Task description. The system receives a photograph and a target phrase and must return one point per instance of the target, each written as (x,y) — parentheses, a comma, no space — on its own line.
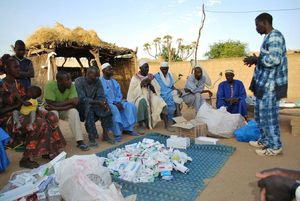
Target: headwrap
(105,65)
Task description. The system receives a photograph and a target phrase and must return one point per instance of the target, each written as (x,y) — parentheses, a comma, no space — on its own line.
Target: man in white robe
(144,92)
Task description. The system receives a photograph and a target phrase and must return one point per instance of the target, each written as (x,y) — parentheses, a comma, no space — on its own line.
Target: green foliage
(227,49)
(165,54)
(168,49)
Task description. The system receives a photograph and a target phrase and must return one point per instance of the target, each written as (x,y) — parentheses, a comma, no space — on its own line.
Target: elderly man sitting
(144,92)
(194,87)
(167,90)
(232,95)
(124,113)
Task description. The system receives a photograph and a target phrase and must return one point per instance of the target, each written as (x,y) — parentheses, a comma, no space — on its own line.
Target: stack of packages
(146,160)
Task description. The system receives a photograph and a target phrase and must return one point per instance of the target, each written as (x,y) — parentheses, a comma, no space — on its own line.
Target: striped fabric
(271,72)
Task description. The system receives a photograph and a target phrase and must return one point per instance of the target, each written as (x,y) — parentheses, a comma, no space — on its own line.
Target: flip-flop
(118,139)
(110,141)
(93,144)
(141,131)
(83,147)
(132,133)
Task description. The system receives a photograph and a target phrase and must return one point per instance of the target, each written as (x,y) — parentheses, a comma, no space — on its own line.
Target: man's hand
(145,82)
(151,87)
(250,60)
(276,188)
(209,93)
(119,106)
(187,90)
(293,174)
(26,103)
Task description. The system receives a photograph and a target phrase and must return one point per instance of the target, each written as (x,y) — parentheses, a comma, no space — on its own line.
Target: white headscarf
(105,65)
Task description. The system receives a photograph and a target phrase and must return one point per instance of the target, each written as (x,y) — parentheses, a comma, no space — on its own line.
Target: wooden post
(199,34)
(95,53)
(81,66)
(54,67)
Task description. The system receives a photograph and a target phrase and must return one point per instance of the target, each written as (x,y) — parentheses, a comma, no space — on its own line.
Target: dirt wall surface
(214,66)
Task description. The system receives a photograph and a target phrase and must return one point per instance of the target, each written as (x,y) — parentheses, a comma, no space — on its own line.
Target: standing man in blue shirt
(27,71)
(269,84)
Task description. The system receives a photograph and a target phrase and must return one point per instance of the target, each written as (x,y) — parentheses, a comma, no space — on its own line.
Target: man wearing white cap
(232,95)
(124,113)
(144,92)
(194,87)
(166,83)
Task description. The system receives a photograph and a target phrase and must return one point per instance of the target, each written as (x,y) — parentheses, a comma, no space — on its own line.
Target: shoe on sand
(256,144)
(268,152)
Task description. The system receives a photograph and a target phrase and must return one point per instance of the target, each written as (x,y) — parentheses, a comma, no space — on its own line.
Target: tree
(227,49)
(162,47)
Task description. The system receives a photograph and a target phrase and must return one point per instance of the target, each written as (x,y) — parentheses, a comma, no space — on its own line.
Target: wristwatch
(296,190)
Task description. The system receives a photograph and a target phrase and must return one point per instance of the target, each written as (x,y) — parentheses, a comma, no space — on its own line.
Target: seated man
(232,95)
(93,105)
(167,89)
(124,114)
(144,92)
(61,98)
(193,89)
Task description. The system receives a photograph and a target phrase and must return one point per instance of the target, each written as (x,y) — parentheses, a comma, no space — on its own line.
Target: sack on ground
(249,132)
(220,123)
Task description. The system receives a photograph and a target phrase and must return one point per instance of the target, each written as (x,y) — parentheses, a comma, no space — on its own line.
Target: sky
(132,23)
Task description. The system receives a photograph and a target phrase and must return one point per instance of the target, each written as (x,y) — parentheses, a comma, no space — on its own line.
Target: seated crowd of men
(150,99)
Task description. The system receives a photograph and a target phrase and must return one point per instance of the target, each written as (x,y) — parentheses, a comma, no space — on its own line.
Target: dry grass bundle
(61,34)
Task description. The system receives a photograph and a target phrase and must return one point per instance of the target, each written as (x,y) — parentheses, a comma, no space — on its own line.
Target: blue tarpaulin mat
(207,161)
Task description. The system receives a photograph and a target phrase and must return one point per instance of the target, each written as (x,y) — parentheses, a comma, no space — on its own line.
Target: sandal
(110,141)
(118,138)
(83,147)
(93,144)
(26,163)
(131,133)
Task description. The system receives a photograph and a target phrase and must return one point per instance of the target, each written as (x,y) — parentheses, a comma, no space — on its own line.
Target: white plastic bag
(86,179)
(220,123)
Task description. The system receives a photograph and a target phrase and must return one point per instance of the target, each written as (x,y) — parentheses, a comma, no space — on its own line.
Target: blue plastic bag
(249,132)
(4,139)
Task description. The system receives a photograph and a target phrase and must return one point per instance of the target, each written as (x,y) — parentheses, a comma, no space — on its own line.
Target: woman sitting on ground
(45,139)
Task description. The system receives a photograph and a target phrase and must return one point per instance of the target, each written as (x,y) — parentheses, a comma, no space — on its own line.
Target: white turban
(229,71)
(142,62)
(164,64)
(105,65)
(197,66)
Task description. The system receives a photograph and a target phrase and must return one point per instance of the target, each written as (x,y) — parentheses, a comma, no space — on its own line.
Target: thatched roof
(71,42)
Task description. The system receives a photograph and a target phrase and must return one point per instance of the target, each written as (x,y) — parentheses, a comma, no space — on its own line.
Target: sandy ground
(235,181)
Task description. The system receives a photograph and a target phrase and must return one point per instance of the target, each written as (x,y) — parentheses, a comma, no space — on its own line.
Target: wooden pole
(81,66)
(199,34)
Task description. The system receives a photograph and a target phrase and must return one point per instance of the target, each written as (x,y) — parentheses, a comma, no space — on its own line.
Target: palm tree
(147,48)
(157,44)
(168,42)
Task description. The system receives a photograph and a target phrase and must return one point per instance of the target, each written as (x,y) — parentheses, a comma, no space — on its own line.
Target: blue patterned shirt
(271,72)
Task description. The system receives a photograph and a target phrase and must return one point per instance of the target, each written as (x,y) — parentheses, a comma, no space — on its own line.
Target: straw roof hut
(76,45)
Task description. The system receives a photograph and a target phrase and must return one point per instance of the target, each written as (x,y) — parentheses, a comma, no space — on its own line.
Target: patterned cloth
(45,138)
(269,85)
(266,114)
(271,72)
